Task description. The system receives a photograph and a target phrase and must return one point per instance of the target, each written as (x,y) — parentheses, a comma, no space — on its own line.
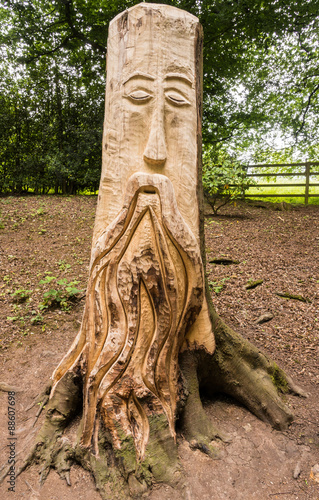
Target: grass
(255,191)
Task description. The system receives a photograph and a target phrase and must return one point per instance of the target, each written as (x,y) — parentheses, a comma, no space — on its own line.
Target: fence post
(244,174)
(307,173)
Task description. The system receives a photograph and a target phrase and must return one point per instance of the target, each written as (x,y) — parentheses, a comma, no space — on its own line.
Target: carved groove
(145,289)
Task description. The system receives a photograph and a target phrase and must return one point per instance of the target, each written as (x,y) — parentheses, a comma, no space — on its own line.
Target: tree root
(196,426)
(118,473)
(239,369)
(58,455)
(42,398)
(236,368)
(50,449)
(4,387)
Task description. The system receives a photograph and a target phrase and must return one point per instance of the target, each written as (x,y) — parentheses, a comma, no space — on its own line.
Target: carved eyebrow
(179,76)
(138,74)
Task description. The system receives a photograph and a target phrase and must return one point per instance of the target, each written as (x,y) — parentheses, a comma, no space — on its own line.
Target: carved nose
(155,152)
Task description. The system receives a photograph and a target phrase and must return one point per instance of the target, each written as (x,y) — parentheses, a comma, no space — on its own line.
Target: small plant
(61,296)
(13,318)
(63,265)
(21,295)
(224,179)
(47,279)
(217,286)
(40,211)
(37,318)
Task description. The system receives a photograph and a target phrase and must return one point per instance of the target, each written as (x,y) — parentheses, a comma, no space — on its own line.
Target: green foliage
(217,286)
(260,79)
(223,182)
(21,295)
(63,265)
(13,318)
(52,124)
(37,318)
(61,296)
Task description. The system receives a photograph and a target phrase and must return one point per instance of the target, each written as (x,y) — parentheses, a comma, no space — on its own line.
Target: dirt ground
(48,239)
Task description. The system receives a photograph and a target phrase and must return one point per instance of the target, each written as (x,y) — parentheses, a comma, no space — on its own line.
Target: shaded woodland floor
(47,239)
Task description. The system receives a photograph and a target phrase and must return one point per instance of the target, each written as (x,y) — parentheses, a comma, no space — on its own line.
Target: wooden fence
(307,173)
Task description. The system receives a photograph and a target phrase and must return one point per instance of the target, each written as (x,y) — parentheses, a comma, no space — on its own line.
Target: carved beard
(144,292)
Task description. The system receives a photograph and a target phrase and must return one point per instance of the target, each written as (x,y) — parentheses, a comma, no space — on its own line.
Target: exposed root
(49,448)
(118,473)
(294,388)
(196,426)
(4,471)
(240,370)
(57,454)
(60,457)
(4,387)
(33,491)
(236,368)
(203,444)
(42,398)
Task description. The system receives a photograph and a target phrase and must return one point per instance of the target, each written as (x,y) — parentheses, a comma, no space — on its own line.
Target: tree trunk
(146,345)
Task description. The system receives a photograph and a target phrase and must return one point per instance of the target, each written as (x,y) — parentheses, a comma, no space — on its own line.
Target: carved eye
(176,98)
(139,96)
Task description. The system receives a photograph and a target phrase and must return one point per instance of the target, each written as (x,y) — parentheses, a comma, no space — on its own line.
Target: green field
(255,192)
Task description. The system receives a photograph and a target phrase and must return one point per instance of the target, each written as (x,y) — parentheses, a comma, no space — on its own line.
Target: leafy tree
(260,75)
(224,180)
(260,70)
(53,114)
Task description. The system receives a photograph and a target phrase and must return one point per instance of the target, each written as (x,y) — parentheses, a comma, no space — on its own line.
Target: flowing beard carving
(145,290)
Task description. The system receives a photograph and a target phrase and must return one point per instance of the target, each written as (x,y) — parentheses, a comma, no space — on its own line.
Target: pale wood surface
(160,42)
(145,296)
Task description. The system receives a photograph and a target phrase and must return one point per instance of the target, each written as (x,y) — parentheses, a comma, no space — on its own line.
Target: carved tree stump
(148,333)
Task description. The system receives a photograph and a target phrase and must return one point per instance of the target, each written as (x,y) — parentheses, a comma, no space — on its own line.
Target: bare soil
(50,236)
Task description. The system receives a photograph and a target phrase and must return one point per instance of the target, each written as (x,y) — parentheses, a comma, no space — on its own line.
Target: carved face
(160,106)
(151,120)
(146,289)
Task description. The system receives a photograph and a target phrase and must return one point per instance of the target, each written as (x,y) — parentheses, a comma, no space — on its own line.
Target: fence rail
(307,173)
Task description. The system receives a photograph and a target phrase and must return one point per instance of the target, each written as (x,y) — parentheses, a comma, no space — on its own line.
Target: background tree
(224,178)
(261,81)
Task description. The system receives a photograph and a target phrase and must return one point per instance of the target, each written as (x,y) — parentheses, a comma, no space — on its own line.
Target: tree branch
(222,139)
(307,77)
(29,60)
(75,32)
(302,46)
(304,114)
(66,19)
